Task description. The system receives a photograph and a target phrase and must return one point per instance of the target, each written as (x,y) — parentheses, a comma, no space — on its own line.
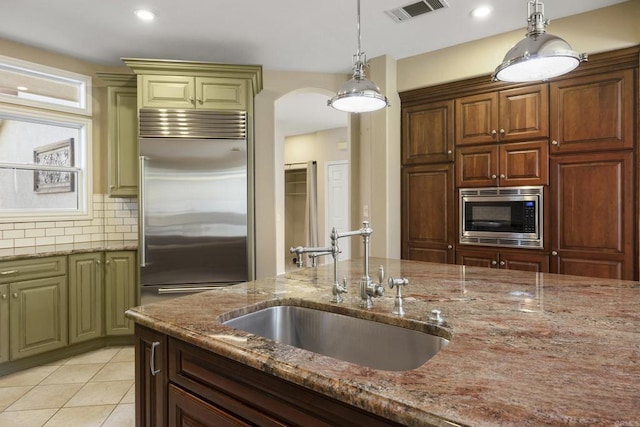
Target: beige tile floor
(92,389)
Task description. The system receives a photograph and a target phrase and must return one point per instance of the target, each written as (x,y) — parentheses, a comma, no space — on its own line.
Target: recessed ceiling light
(481,12)
(22,88)
(145,15)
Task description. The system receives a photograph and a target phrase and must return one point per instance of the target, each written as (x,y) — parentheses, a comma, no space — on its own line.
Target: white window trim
(44,71)
(85,175)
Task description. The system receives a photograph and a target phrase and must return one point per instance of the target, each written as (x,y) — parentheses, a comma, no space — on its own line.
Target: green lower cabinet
(86,289)
(38,316)
(120,291)
(4,323)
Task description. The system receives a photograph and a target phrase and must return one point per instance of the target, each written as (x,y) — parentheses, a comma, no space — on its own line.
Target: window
(45,154)
(35,85)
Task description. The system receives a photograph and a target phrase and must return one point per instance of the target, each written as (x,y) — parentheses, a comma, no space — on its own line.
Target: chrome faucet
(368,288)
(337,288)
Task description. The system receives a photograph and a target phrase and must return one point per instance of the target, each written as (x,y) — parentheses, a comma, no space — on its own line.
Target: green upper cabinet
(213,93)
(85,297)
(122,112)
(196,85)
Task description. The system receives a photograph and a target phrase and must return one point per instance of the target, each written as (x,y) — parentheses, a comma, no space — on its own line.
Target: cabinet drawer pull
(152,358)
(7,272)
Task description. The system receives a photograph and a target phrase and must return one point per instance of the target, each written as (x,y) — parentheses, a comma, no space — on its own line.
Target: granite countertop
(74,248)
(526,348)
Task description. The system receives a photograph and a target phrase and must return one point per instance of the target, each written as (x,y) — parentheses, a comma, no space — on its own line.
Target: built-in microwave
(502,216)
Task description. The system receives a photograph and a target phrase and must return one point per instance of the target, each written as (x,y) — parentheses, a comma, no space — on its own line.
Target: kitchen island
(525,348)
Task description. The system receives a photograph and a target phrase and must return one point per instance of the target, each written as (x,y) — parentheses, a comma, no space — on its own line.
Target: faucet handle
(381,274)
(397,304)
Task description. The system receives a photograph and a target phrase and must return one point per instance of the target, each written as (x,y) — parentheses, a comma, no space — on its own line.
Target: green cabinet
(86,291)
(122,134)
(120,291)
(38,316)
(4,323)
(187,92)
(123,142)
(34,320)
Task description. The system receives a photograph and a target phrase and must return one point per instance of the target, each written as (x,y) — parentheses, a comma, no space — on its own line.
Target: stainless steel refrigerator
(193,202)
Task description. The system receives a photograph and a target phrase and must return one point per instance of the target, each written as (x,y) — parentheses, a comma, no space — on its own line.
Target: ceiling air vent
(412,10)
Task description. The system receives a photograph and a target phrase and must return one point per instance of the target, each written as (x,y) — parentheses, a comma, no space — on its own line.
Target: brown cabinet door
(593,219)
(428,216)
(592,113)
(524,261)
(516,259)
(477,166)
(524,163)
(477,257)
(524,113)
(151,377)
(427,133)
(186,410)
(477,119)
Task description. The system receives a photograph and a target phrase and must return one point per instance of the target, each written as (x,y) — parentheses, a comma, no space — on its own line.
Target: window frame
(53,74)
(84,177)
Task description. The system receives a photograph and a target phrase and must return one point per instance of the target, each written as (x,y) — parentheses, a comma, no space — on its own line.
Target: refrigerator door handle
(141,192)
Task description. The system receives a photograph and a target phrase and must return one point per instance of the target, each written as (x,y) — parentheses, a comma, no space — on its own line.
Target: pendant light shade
(539,56)
(359,94)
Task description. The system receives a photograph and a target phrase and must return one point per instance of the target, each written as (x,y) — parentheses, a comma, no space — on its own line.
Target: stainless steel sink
(364,342)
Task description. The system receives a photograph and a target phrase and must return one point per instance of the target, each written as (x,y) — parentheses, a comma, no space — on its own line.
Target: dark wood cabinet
(575,135)
(517,114)
(151,377)
(427,133)
(428,213)
(197,387)
(512,164)
(593,113)
(522,259)
(593,224)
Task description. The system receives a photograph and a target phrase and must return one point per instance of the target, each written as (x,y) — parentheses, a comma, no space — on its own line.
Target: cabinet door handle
(554,142)
(494,176)
(554,253)
(200,101)
(501,131)
(4,296)
(7,272)
(450,247)
(503,263)
(493,132)
(450,152)
(502,176)
(152,358)
(494,262)
(15,295)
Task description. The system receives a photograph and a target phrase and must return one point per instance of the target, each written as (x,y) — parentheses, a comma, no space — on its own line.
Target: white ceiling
(293,35)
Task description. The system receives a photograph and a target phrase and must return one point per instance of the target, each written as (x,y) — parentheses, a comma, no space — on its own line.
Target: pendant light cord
(359,59)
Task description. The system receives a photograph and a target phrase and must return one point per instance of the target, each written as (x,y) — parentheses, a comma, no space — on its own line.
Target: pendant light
(539,56)
(358,95)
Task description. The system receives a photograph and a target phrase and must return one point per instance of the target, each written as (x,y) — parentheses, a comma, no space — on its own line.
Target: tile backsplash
(114,220)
